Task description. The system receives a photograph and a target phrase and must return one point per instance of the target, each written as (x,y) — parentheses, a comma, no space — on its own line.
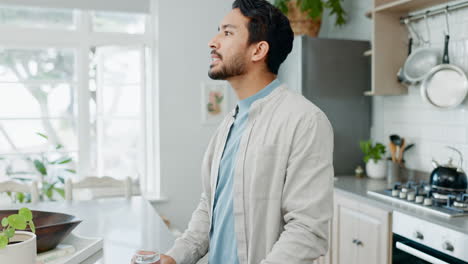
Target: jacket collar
(257,105)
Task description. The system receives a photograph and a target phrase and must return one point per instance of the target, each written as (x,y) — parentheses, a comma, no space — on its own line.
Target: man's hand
(167,260)
(164,259)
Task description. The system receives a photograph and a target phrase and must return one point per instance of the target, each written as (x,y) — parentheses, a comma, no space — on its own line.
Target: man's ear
(260,51)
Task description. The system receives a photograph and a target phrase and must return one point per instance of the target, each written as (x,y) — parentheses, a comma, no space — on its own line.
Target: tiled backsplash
(409,116)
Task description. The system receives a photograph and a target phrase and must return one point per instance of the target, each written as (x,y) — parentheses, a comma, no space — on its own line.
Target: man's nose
(213,43)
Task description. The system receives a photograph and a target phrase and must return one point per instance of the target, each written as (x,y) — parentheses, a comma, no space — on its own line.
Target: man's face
(229,47)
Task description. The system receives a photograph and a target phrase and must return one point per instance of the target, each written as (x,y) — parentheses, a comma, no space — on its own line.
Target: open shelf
(389,42)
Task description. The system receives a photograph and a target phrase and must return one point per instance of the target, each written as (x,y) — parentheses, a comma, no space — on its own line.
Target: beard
(234,67)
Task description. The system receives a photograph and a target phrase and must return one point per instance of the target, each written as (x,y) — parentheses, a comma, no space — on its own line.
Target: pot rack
(432,12)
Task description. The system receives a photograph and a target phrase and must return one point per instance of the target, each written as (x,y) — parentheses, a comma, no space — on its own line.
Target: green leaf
(10,232)
(26,213)
(4,221)
(49,193)
(68,160)
(61,179)
(219,99)
(3,241)
(32,226)
(59,146)
(371,151)
(40,167)
(60,191)
(70,170)
(42,135)
(210,108)
(17,221)
(282,5)
(20,197)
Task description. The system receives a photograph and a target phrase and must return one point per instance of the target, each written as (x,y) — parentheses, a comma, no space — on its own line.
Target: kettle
(449,177)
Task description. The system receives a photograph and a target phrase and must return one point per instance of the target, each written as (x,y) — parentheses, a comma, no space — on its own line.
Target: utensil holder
(394,172)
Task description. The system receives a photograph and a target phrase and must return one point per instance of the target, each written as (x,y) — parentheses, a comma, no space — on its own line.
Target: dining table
(126,225)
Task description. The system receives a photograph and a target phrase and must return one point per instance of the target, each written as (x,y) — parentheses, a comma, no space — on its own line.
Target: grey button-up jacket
(283,185)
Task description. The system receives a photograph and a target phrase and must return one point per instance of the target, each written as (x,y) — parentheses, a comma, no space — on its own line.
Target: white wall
(357,27)
(429,128)
(185,27)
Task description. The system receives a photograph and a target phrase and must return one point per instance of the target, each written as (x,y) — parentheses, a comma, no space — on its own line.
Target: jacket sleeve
(307,202)
(194,242)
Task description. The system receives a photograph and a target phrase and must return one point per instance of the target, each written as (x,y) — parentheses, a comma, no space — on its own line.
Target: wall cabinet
(389,42)
(361,232)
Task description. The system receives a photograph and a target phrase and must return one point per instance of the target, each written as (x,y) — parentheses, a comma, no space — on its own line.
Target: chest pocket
(269,171)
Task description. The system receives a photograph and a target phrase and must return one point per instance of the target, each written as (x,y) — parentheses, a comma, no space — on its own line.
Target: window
(116,114)
(118,22)
(82,96)
(37,17)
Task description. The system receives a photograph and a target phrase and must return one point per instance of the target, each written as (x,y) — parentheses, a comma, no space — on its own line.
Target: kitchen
(407,115)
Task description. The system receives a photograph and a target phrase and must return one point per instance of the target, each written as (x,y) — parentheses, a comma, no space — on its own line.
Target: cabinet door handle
(357,242)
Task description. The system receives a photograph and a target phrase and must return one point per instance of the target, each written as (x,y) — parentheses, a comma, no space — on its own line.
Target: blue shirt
(223,244)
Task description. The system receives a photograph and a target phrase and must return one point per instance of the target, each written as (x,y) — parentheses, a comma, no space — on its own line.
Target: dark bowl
(51,228)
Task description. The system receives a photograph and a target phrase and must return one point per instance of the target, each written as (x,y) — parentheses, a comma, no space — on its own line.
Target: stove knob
(418,235)
(448,246)
(419,199)
(402,195)
(427,201)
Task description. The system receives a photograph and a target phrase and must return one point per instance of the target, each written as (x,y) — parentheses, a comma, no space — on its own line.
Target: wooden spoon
(402,148)
(392,151)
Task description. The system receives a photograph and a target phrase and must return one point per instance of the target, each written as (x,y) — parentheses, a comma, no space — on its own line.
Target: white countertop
(359,187)
(125,225)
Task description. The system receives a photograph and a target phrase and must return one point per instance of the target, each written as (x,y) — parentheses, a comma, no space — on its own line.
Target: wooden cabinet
(389,42)
(361,232)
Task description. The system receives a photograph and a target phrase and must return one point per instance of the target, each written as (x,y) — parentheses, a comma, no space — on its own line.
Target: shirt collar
(244,105)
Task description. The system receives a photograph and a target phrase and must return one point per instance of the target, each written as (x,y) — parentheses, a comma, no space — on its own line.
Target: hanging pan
(421,61)
(401,77)
(446,85)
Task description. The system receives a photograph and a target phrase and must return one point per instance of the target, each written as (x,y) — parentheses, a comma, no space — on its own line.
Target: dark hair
(267,23)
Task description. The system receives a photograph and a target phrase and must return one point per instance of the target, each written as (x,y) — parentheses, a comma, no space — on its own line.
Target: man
(267,172)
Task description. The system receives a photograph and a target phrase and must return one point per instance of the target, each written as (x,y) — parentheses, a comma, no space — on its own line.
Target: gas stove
(420,195)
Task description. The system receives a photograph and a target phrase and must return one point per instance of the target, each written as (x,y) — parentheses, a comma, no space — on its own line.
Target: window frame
(82,39)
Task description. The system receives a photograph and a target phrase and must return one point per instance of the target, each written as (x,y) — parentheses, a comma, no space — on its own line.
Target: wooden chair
(98,183)
(13,186)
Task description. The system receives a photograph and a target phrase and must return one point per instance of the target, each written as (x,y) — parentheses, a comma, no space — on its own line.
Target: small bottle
(359,172)
(146,257)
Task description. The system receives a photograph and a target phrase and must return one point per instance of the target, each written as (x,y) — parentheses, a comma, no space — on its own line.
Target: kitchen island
(125,225)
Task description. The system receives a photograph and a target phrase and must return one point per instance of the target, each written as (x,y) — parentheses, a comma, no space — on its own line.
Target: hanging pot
(401,77)
(422,60)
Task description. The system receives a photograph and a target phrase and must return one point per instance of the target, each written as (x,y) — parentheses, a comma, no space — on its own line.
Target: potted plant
(373,157)
(305,16)
(51,168)
(18,247)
